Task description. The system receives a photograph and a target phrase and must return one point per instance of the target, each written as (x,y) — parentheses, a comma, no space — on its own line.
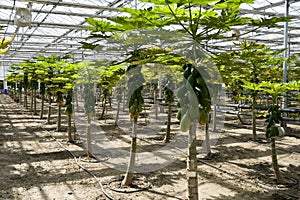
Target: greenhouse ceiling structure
(57,26)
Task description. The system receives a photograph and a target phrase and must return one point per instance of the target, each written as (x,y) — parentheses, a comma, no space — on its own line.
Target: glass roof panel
(57,25)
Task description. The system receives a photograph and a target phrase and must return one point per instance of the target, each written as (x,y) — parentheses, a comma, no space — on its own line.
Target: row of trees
(142,38)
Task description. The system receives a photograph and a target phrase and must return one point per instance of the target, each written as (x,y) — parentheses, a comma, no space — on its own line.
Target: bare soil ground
(33,165)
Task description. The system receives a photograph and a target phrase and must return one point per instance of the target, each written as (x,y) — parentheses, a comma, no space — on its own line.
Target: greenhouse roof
(57,26)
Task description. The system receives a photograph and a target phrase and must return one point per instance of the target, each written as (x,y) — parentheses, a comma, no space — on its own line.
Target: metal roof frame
(58,26)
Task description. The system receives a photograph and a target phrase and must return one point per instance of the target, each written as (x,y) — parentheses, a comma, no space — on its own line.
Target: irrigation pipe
(82,167)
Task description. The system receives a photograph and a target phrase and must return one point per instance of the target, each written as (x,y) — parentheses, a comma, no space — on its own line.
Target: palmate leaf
(87,45)
(102,26)
(222,4)
(269,22)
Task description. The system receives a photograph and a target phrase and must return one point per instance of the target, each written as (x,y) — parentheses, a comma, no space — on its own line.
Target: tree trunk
(124,101)
(59,117)
(34,102)
(155,103)
(118,112)
(254,120)
(42,106)
(207,139)
(192,179)
(131,165)
(70,139)
(214,117)
(88,138)
(76,100)
(168,132)
(104,108)
(31,101)
(278,175)
(20,96)
(25,99)
(49,108)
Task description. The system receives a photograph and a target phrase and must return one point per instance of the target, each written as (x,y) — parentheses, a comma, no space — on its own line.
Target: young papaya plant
(275,116)
(169,99)
(135,105)
(254,63)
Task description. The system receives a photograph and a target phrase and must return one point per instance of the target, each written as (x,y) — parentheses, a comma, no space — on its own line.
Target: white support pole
(286,52)
(160,87)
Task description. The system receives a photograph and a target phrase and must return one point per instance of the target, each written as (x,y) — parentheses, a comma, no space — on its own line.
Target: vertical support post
(160,85)
(5,90)
(285,54)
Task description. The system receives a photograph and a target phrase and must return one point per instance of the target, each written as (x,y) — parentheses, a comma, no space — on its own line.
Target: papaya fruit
(178,115)
(193,100)
(183,101)
(273,131)
(132,109)
(185,123)
(140,100)
(183,110)
(202,116)
(191,81)
(187,73)
(195,73)
(131,101)
(181,91)
(200,81)
(194,113)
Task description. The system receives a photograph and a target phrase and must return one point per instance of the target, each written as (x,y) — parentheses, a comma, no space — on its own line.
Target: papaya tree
(254,63)
(274,115)
(86,79)
(135,105)
(191,19)
(108,78)
(169,99)
(55,81)
(70,73)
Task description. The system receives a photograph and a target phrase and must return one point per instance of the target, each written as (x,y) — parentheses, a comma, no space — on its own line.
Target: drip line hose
(82,167)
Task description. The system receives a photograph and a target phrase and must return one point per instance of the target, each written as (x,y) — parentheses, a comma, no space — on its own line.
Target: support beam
(74,5)
(285,53)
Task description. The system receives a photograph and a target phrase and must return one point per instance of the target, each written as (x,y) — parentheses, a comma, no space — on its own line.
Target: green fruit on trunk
(195,73)
(185,123)
(181,91)
(183,101)
(202,116)
(193,100)
(200,81)
(191,81)
(183,110)
(140,100)
(178,115)
(132,109)
(187,73)
(194,113)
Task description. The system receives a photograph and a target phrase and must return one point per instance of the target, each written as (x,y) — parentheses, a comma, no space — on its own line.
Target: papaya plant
(194,21)
(135,105)
(169,99)
(86,80)
(275,115)
(254,63)
(108,78)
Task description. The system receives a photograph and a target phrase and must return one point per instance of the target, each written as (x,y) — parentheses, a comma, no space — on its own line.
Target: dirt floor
(36,162)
